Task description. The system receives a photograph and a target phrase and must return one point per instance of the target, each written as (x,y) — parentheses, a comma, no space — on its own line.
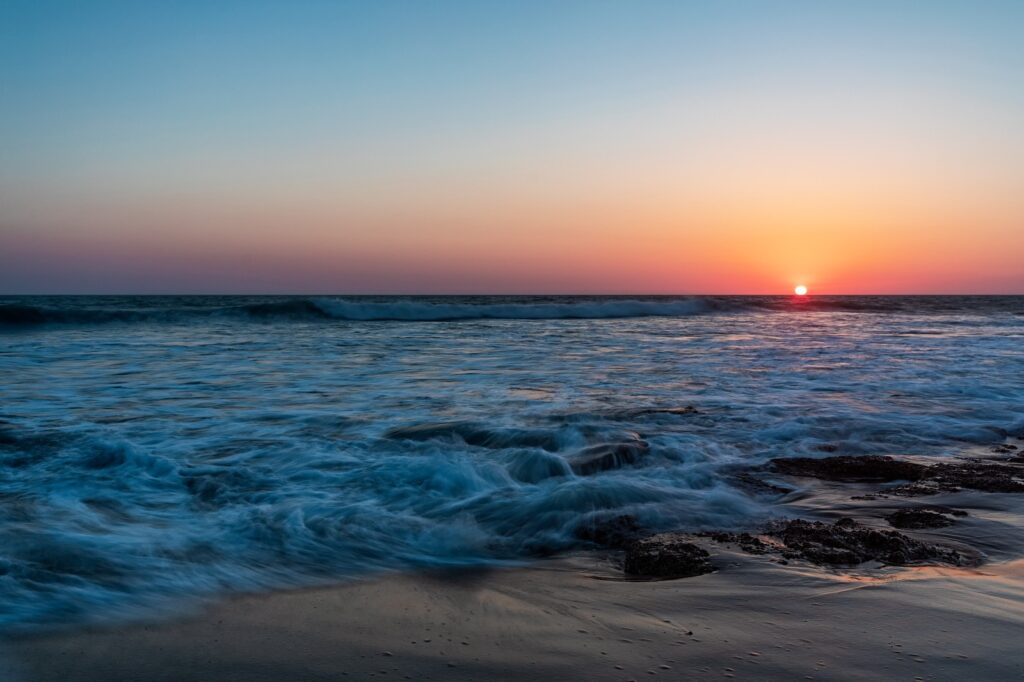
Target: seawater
(158,450)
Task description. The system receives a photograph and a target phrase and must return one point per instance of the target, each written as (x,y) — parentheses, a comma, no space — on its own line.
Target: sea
(156,452)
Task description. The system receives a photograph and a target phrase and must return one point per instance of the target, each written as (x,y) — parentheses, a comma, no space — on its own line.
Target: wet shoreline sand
(757,616)
(575,618)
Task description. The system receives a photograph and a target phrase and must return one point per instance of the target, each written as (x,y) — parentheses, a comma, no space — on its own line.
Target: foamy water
(155,450)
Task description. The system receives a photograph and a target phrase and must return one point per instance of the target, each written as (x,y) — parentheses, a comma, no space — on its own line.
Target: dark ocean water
(154,449)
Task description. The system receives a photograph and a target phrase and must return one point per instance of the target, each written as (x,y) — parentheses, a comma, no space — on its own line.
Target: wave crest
(21,315)
(443,312)
(16,312)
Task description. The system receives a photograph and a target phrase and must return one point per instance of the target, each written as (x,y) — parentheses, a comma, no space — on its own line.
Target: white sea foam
(147,463)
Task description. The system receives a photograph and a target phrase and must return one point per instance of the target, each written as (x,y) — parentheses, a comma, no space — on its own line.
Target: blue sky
(196,132)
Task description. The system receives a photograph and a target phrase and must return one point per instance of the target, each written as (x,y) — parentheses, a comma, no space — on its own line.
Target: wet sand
(756,617)
(573,618)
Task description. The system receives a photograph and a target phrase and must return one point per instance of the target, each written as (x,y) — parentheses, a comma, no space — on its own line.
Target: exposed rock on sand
(922,517)
(666,555)
(843,543)
(745,541)
(850,468)
(848,543)
(984,475)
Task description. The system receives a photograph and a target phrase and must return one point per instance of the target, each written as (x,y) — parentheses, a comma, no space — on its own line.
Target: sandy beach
(756,616)
(575,618)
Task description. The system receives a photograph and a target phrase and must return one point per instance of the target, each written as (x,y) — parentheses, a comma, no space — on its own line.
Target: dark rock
(607,456)
(617,532)
(666,555)
(747,542)
(987,477)
(984,475)
(918,518)
(849,543)
(850,468)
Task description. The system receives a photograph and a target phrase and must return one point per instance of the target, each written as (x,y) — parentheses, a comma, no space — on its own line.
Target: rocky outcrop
(848,543)
(875,468)
(923,517)
(750,544)
(949,476)
(666,555)
(986,476)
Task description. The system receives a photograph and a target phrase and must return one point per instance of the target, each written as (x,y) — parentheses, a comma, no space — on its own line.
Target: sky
(511,147)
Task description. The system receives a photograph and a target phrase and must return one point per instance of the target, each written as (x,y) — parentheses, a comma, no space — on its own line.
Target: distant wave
(295,307)
(340,309)
(172,309)
(417,311)
(19,315)
(27,315)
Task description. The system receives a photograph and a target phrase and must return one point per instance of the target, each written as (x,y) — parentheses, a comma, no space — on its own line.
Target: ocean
(157,451)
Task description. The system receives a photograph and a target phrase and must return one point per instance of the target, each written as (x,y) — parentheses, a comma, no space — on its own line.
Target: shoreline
(756,616)
(574,617)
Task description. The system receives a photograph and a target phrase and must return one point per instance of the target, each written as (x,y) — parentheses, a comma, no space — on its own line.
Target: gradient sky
(513,147)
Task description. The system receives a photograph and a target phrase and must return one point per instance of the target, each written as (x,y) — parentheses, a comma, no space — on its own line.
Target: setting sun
(800,290)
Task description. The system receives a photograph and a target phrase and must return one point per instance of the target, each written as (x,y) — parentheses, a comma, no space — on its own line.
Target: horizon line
(497,294)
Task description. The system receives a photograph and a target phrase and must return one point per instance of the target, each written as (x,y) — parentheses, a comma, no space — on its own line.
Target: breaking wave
(359,311)
(36,311)
(101,528)
(156,450)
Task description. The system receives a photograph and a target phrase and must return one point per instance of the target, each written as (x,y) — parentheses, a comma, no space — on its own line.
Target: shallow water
(159,448)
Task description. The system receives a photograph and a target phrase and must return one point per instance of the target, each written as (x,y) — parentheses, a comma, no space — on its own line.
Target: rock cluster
(923,517)
(842,543)
(666,555)
(972,474)
(848,543)
(878,468)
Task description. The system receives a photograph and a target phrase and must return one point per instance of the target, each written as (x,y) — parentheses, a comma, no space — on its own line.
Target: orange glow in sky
(724,148)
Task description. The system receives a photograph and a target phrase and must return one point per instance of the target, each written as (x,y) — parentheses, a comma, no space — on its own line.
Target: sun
(800,290)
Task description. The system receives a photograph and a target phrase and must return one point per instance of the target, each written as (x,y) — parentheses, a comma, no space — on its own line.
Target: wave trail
(22,315)
(441,312)
(16,312)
